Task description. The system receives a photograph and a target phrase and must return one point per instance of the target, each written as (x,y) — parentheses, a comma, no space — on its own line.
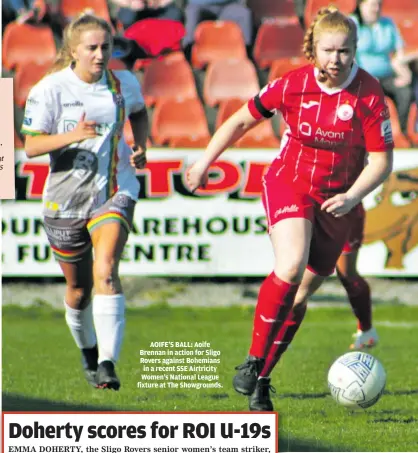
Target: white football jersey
(84,175)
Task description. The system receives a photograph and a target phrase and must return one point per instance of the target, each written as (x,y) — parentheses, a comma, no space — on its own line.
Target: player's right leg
(290,238)
(289,216)
(71,247)
(260,400)
(109,229)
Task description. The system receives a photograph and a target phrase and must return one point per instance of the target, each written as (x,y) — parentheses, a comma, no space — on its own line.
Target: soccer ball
(356,380)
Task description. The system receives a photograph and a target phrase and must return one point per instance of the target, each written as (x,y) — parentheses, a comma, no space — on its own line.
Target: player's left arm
(138,118)
(377,132)
(140,123)
(374,173)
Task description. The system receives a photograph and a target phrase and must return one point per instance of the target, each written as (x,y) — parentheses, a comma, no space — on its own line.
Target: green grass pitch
(41,372)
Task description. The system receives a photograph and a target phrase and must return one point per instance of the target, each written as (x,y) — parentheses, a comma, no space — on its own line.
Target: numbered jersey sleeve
(40,110)
(134,100)
(375,118)
(266,103)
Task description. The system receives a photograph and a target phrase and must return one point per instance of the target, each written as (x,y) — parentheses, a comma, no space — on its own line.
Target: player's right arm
(43,143)
(39,124)
(259,108)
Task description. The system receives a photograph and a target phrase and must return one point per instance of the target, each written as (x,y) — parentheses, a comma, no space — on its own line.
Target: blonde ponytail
(85,21)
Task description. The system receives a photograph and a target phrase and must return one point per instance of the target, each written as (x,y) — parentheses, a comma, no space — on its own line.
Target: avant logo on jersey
(328,138)
(305,128)
(322,137)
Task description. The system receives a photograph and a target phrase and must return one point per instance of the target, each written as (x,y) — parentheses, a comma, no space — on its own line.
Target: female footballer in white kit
(76,114)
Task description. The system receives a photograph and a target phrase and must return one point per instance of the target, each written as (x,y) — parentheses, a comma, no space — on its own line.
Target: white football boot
(365,340)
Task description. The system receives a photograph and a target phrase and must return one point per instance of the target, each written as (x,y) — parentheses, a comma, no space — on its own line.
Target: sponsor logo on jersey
(305,128)
(386,131)
(345,112)
(73,104)
(329,134)
(32,101)
(69,125)
(101,128)
(328,138)
(285,209)
(308,105)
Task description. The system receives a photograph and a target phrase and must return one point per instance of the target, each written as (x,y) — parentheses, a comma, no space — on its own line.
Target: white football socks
(109,321)
(81,325)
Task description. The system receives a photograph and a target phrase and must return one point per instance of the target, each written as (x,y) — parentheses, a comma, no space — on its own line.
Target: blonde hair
(327,19)
(72,34)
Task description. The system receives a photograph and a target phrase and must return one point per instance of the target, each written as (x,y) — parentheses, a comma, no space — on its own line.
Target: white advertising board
(217,232)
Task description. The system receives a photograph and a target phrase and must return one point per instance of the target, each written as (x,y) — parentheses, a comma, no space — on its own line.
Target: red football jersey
(330,129)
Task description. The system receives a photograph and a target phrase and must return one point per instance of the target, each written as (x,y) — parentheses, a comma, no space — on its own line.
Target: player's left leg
(260,400)
(109,231)
(357,288)
(358,292)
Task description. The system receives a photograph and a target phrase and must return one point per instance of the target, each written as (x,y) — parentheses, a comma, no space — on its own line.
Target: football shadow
(303,396)
(400,420)
(313,396)
(401,392)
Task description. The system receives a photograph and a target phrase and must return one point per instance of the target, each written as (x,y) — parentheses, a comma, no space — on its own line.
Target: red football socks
(284,338)
(275,301)
(358,291)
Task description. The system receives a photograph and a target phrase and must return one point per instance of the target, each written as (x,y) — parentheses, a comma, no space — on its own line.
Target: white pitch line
(390,324)
(406,325)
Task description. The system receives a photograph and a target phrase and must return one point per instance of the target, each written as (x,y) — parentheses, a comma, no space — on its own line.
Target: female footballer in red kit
(337,116)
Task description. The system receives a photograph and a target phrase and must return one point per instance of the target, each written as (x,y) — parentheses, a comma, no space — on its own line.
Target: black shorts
(70,239)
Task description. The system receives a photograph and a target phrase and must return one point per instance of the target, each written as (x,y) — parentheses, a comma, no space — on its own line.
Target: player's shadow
(399,420)
(249,293)
(15,403)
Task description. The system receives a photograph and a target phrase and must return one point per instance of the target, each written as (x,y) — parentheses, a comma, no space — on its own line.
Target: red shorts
(283,200)
(355,238)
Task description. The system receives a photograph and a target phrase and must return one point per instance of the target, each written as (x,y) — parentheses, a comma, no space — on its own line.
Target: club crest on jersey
(345,112)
